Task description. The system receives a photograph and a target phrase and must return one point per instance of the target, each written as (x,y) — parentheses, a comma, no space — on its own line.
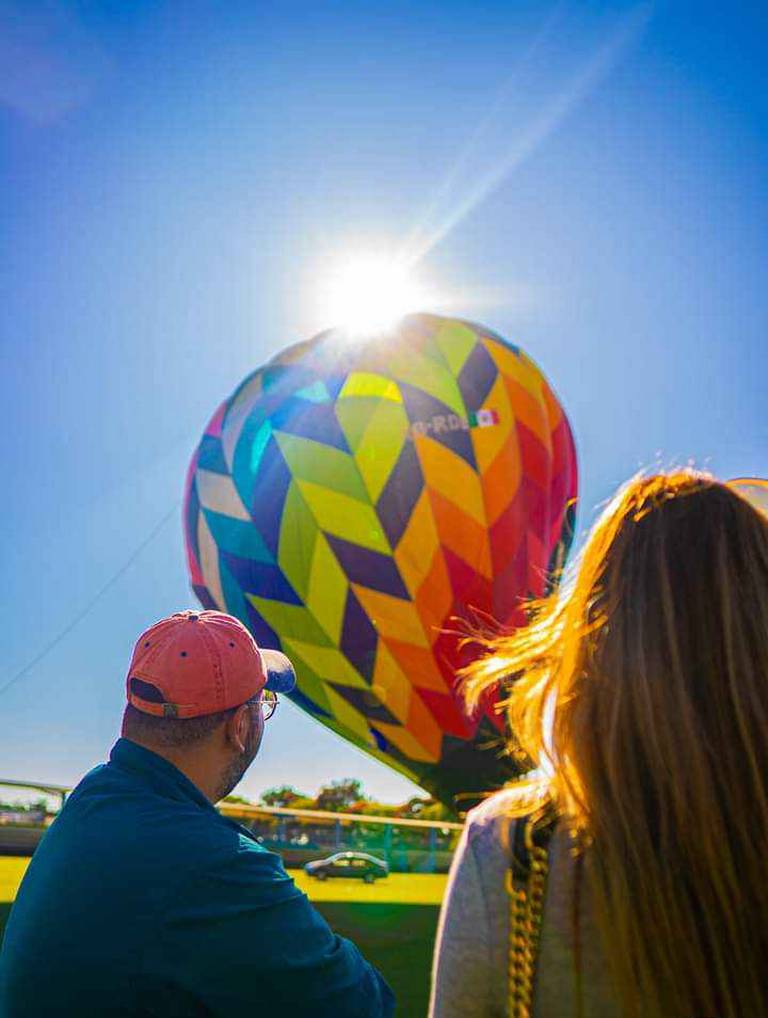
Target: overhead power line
(62,634)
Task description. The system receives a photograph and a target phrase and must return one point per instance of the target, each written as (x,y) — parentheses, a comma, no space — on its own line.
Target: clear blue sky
(174,176)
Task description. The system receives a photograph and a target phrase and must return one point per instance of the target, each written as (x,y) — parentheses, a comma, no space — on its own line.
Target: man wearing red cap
(142,899)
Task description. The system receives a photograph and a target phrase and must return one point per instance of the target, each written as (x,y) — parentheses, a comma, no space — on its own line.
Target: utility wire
(93,601)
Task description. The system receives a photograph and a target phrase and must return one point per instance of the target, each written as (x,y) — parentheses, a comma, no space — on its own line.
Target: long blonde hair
(642,689)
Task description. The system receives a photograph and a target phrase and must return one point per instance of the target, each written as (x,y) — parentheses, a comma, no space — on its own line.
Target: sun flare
(369,293)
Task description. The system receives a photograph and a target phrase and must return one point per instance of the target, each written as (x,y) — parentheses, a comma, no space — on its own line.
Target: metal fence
(298,835)
(417,846)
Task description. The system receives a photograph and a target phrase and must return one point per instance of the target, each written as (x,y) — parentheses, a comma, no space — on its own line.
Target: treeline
(24,806)
(347,796)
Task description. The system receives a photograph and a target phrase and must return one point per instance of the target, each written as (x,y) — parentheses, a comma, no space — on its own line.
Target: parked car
(348,864)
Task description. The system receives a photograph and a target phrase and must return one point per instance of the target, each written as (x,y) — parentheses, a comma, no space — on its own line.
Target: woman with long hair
(628,875)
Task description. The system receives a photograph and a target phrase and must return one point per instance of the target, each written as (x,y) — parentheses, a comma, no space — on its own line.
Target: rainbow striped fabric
(353,498)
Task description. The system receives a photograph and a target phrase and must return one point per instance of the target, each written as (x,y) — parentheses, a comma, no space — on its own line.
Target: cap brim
(281,677)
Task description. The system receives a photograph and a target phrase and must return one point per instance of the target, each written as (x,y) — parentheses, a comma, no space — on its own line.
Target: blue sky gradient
(587,179)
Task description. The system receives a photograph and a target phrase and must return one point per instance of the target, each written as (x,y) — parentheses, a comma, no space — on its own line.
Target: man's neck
(194,765)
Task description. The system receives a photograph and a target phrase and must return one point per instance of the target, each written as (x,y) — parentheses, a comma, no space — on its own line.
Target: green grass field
(393,922)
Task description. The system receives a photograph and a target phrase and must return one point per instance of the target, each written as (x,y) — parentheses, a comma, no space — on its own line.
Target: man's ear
(237,726)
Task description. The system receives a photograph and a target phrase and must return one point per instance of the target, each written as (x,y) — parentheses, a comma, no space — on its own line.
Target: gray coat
(470,977)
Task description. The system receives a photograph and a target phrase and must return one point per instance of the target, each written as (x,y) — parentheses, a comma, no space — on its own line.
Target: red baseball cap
(195,663)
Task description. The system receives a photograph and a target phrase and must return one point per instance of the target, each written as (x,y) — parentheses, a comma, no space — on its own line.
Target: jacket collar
(160,773)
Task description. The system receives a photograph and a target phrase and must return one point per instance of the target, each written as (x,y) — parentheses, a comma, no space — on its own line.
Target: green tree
(341,796)
(413,809)
(286,796)
(377,809)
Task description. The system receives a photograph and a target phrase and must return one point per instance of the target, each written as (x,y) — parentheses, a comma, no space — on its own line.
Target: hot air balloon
(353,498)
(754,489)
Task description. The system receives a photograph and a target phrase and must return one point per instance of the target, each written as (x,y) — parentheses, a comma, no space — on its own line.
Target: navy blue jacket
(143,900)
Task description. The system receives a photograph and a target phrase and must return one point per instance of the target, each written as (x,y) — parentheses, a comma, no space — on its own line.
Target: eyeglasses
(266,701)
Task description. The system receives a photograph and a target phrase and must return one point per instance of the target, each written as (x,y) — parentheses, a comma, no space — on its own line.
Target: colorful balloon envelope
(355,502)
(754,489)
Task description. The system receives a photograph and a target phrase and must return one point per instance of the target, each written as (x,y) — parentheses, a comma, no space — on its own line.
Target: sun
(367,294)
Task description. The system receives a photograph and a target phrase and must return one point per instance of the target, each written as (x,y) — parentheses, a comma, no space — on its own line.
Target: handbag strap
(526,887)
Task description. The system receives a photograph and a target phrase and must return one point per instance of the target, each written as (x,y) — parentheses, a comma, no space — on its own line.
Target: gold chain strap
(526,896)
